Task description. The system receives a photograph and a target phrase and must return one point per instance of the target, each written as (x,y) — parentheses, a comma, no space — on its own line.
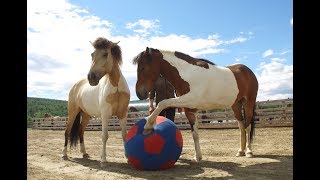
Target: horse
(47,115)
(104,93)
(200,85)
(133,109)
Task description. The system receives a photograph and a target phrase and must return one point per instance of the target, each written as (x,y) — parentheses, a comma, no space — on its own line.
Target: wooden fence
(268,114)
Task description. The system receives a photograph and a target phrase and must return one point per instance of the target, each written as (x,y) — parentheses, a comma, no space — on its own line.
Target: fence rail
(268,114)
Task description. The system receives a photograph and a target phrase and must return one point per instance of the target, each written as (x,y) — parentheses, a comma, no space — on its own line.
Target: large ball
(155,151)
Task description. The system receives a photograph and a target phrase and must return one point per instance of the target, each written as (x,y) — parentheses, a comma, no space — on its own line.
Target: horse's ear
(116,50)
(115,44)
(148,51)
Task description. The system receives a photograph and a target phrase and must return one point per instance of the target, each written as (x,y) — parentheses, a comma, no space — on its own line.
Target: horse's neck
(169,74)
(169,68)
(114,75)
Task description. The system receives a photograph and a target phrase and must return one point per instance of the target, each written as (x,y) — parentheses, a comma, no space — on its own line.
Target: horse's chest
(90,104)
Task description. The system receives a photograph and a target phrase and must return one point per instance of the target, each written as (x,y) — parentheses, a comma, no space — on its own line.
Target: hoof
(65,157)
(148,127)
(146,131)
(240,153)
(86,156)
(249,155)
(197,159)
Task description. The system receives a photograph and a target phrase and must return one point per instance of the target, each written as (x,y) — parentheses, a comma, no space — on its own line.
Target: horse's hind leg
(72,114)
(84,124)
(249,106)
(195,135)
(238,115)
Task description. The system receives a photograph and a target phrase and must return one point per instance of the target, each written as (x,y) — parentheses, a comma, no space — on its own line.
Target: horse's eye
(141,68)
(105,55)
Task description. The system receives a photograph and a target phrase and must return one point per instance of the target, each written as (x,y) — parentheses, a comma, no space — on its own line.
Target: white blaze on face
(215,87)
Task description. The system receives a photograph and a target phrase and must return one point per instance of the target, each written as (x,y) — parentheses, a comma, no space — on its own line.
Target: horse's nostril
(91,76)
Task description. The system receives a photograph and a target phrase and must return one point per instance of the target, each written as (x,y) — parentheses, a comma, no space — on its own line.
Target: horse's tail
(74,134)
(253,119)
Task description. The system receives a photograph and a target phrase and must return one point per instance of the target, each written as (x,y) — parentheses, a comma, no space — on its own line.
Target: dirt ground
(272,148)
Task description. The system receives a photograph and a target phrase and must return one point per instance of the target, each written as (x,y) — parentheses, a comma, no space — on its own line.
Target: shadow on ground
(186,169)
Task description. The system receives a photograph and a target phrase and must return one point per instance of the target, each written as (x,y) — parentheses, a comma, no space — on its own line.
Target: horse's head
(105,56)
(148,71)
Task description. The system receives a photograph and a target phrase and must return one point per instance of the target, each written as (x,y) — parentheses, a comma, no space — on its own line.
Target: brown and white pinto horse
(200,85)
(104,93)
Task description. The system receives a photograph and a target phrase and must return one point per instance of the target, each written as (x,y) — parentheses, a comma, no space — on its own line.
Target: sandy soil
(272,148)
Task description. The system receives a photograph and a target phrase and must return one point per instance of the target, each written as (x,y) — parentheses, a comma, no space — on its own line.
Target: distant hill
(37,107)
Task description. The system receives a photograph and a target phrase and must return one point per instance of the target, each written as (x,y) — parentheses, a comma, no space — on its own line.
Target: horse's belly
(214,105)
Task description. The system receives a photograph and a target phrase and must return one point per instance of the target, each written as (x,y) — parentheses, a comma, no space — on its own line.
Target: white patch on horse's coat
(215,87)
(91,95)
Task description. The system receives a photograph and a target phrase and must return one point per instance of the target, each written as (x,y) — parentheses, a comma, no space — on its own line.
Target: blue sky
(256,33)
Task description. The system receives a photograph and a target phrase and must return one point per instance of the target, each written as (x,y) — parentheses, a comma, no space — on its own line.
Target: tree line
(38,107)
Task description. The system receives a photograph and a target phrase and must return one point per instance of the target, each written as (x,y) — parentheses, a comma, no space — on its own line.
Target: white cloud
(58,48)
(238,59)
(291,22)
(284,52)
(275,80)
(238,39)
(278,59)
(267,53)
(143,26)
(193,47)
(214,36)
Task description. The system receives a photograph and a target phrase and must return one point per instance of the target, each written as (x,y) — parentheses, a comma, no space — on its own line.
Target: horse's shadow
(187,169)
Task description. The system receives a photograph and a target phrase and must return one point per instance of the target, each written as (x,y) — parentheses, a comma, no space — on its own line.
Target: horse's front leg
(171,102)
(123,125)
(152,118)
(105,136)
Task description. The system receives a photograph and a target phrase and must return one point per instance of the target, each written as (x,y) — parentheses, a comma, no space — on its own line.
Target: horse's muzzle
(92,78)
(142,93)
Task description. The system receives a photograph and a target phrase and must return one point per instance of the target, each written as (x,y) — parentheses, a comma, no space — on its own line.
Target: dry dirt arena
(272,148)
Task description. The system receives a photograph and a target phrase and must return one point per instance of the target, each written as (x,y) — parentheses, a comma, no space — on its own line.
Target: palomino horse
(104,93)
(200,85)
